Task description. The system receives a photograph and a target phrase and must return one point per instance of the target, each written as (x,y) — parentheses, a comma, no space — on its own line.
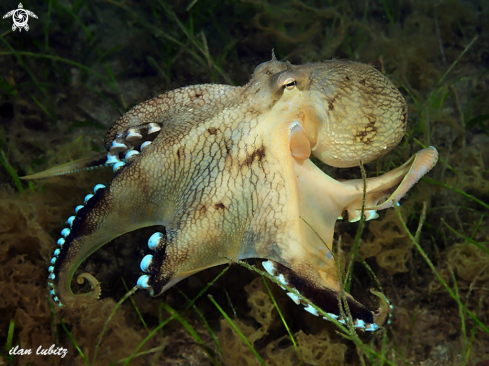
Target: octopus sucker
(226,172)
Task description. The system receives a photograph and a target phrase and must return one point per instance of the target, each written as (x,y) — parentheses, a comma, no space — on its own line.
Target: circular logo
(20,18)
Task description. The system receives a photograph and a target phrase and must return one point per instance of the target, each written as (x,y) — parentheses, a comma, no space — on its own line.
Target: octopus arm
(108,213)
(308,264)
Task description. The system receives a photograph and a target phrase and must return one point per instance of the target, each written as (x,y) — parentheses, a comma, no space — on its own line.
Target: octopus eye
(289,84)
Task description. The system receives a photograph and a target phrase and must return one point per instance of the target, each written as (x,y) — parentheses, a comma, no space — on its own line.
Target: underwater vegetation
(82,64)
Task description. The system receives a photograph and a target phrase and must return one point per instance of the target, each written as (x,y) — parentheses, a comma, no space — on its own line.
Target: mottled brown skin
(228,175)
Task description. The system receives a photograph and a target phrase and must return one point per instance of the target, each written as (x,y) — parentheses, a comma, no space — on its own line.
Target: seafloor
(84,63)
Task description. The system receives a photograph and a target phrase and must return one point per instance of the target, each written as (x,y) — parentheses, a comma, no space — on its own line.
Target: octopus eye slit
(290,84)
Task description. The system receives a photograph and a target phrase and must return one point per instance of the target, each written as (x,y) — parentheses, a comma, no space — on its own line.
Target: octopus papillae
(226,171)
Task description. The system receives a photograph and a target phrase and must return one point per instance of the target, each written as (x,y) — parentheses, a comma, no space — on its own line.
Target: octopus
(226,171)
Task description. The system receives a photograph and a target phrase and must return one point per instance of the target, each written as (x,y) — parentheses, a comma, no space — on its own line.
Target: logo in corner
(20,18)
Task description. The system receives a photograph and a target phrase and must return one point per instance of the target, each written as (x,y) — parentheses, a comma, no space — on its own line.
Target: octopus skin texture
(227,172)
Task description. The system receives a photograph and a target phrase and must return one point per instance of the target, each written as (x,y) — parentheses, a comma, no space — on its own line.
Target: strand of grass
(109,100)
(204,290)
(56,58)
(438,37)
(5,33)
(236,329)
(158,32)
(411,95)
(9,345)
(422,219)
(472,286)
(345,312)
(437,274)
(373,277)
(191,5)
(358,235)
(473,331)
(383,350)
(372,274)
(458,59)
(53,320)
(160,319)
(200,47)
(205,49)
(317,234)
(174,314)
(19,59)
(135,306)
(30,184)
(149,351)
(343,303)
(225,51)
(204,320)
(368,350)
(231,304)
(158,353)
(10,169)
(113,82)
(162,324)
(460,110)
(401,356)
(72,339)
(46,26)
(148,337)
(291,336)
(112,313)
(157,67)
(442,160)
(450,208)
(408,135)
(469,240)
(476,228)
(411,327)
(469,196)
(460,310)
(24,66)
(387,12)
(44,109)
